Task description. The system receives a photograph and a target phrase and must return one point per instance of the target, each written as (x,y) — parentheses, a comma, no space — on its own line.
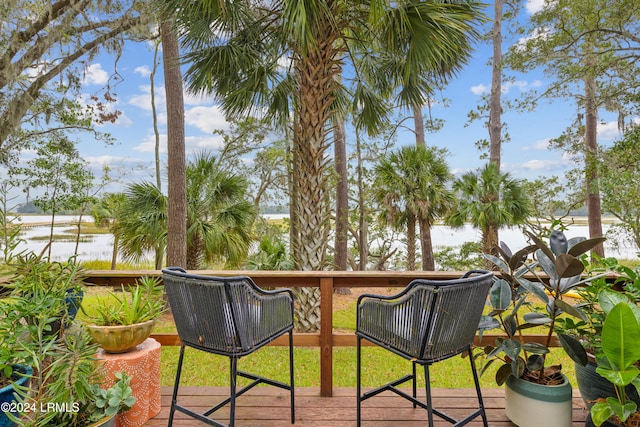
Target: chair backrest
(223,315)
(432,319)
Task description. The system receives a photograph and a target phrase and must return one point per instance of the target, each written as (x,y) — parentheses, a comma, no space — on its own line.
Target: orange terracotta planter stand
(143,366)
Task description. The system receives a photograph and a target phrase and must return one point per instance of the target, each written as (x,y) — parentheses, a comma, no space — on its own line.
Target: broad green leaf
(621,337)
(609,299)
(535,288)
(558,242)
(541,245)
(534,347)
(517,367)
(497,262)
(546,263)
(536,318)
(502,374)
(500,295)
(568,266)
(520,257)
(488,322)
(585,246)
(618,377)
(574,349)
(600,412)
(512,348)
(535,362)
(570,310)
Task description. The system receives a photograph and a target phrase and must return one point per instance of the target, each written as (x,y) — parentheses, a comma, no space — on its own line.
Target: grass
(379,366)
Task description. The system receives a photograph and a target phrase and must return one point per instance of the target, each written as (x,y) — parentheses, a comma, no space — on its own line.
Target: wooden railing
(326,339)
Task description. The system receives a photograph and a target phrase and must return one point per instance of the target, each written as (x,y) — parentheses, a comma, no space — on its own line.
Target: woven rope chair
(229,316)
(427,322)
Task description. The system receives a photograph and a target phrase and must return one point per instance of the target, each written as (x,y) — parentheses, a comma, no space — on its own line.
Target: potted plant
(63,386)
(67,388)
(535,393)
(620,351)
(122,322)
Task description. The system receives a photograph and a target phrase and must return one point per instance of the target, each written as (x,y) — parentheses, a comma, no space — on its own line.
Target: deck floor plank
(269,407)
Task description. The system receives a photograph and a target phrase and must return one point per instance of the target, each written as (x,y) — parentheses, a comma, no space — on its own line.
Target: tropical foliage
(489,199)
(219,218)
(411,185)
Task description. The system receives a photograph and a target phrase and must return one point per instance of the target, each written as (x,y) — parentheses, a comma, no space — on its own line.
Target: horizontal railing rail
(326,339)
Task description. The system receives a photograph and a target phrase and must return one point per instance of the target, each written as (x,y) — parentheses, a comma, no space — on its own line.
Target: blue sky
(525,156)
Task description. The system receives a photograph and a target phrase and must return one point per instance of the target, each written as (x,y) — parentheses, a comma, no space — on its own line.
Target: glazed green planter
(534,405)
(593,386)
(120,339)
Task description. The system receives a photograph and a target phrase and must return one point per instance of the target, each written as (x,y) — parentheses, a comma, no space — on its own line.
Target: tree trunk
(495,106)
(342,200)
(411,243)
(428,261)
(594,211)
(418,124)
(177,183)
(154,114)
(316,73)
(363,226)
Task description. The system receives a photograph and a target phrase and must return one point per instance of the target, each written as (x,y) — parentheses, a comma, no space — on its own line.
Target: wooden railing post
(326,336)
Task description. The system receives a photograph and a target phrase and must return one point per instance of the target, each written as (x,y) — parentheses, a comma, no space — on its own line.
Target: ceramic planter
(593,386)
(120,339)
(534,405)
(7,393)
(105,422)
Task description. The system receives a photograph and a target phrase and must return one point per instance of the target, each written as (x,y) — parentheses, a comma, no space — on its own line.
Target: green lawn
(379,366)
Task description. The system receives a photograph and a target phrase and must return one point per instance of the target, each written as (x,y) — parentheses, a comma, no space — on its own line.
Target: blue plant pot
(7,394)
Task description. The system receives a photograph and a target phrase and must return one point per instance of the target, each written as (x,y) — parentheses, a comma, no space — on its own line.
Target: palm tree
(490,200)
(220,217)
(283,57)
(411,184)
(141,223)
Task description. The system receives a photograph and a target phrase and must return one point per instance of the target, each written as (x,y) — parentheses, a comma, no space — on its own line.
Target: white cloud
(608,131)
(522,85)
(479,89)
(534,6)
(142,100)
(207,119)
(143,71)
(193,144)
(537,33)
(94,74)
(541,144)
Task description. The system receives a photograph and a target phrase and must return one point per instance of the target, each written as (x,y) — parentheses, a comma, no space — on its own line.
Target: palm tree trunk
(316,72)
(411,243)
(428,261)
(177,183)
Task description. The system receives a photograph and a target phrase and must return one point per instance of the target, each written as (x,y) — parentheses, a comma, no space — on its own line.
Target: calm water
(100,246)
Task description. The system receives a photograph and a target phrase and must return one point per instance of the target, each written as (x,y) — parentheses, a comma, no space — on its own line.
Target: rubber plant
(554,271)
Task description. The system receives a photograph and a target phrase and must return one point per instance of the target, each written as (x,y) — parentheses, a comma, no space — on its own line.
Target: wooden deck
(269,407)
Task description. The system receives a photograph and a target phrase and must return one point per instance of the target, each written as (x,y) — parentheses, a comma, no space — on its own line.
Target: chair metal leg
(415,389)
(358,385)
(291,381)
(174,396)
(234,376)
(476,381)
(427,380)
